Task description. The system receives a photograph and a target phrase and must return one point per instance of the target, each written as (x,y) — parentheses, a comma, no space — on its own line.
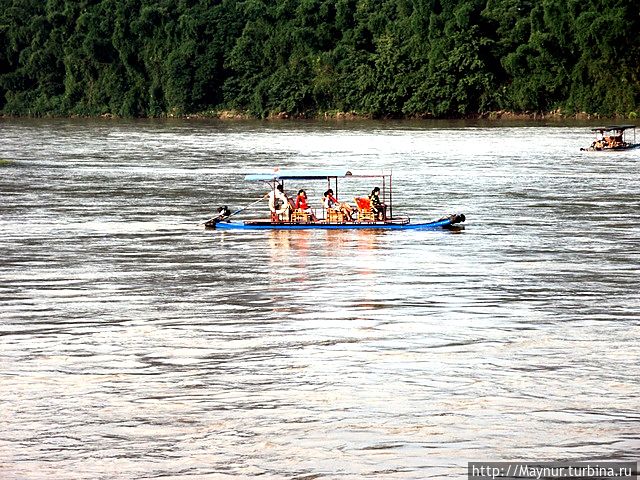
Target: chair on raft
(365,214)
(300,216)
(335,216)
(331,215)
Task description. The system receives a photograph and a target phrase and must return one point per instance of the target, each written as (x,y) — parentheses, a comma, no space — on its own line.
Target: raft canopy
(309,175)
(609,128)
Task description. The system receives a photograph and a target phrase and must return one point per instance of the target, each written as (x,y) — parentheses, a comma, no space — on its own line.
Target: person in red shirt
(301,203)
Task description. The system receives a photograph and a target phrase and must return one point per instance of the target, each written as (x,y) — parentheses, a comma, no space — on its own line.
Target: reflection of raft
(613,137)
(363,220)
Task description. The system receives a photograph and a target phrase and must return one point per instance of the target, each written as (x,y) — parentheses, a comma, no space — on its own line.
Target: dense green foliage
(304,57)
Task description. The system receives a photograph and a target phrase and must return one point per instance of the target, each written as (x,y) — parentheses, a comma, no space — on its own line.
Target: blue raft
(449,222)
(363,222)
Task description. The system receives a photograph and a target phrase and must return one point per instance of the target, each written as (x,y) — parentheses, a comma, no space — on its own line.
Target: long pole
(250,205)
(241,209)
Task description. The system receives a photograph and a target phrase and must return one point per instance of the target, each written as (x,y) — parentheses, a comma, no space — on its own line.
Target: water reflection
(293,243)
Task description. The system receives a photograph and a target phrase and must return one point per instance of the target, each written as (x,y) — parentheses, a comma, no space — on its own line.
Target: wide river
(136,344)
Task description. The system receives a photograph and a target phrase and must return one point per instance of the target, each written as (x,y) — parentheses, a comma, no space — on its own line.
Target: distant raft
(613,137)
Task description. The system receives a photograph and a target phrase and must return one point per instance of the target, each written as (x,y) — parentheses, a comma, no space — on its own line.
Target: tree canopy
(380,58)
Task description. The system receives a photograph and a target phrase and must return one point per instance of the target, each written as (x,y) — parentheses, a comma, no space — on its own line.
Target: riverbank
(231,115)
(493,115)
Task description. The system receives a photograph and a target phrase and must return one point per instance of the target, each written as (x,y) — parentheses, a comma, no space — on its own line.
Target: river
(136,344)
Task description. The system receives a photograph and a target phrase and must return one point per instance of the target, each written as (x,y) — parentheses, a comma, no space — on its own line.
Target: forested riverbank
(261,58)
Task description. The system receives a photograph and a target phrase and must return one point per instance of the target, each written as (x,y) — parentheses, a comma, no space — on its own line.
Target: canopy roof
(309,175)
(612,127)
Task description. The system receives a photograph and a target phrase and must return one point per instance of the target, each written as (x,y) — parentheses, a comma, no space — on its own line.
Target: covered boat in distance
(613,137)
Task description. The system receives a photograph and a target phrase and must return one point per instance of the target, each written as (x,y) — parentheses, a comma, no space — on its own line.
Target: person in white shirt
(279,203)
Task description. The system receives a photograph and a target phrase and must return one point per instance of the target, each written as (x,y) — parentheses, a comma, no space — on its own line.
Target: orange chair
(365,214)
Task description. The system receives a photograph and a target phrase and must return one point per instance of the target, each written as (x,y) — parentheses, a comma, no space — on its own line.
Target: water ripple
(136,344)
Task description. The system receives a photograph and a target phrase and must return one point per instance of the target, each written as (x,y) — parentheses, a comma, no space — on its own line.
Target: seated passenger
(301,203)
(378,208)
(332,203)
(616,141)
